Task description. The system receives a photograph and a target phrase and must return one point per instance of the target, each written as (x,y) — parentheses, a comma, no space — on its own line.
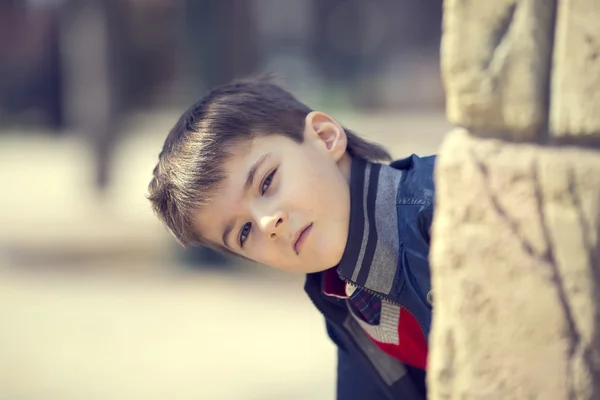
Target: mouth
(301,237)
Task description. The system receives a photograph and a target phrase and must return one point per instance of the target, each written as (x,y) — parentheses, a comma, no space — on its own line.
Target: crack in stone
(593,250)
(547,257)
(498,39)
(585,226)
(483,169)
(573,335)
(593,253)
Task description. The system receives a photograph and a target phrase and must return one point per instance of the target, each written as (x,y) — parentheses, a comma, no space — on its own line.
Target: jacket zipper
(383,298)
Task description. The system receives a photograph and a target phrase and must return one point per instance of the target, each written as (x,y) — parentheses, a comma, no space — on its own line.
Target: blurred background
(96,299)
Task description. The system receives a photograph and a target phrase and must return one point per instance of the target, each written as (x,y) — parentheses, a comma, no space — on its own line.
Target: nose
(272,224)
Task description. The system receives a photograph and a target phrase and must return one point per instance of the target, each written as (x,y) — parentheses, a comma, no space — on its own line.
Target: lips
(301,237)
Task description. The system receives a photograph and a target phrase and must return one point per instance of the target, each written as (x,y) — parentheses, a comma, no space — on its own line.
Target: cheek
(298,196)
(272,258)
(305,185)
(262,249)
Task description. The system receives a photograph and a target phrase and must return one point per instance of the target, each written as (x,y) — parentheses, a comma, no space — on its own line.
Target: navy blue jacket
(386,259)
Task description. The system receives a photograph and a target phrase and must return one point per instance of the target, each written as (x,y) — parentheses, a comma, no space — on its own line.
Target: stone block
(496,58)
(515,271)
(575,105)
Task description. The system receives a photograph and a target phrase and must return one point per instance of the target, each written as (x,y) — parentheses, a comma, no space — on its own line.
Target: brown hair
(190,163)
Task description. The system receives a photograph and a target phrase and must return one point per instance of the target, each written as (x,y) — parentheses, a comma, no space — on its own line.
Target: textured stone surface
(515,261)
(575,111)
(495,65)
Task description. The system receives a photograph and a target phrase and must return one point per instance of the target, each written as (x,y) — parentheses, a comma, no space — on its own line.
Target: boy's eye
(244,233)
(267,182)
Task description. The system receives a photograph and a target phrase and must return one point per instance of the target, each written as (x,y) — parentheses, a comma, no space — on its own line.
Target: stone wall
(516,236)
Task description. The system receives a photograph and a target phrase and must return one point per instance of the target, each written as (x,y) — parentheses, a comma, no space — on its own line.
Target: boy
(251,171)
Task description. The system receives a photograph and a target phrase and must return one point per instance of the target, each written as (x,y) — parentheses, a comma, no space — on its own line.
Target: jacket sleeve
(425,215)
(425,219)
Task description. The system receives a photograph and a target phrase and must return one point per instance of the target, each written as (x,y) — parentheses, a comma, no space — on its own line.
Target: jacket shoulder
(418,176)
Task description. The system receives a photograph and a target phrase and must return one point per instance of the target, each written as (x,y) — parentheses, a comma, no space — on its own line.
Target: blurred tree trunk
(95,44)
(219,42)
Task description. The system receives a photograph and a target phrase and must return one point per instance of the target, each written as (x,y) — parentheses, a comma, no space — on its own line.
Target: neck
(345,165)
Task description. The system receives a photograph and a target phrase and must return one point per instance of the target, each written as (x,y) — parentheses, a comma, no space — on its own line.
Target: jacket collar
(372,250)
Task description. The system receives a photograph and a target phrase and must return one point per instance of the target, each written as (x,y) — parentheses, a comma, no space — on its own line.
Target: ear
(327,133)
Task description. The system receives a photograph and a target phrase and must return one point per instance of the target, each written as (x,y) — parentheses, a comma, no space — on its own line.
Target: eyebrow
(247,185)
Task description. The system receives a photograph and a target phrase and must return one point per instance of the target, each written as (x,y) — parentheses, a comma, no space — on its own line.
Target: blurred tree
(95,43)
(220,42)
(29,65)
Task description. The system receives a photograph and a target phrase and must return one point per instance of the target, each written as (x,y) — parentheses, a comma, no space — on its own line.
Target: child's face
(285,204)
